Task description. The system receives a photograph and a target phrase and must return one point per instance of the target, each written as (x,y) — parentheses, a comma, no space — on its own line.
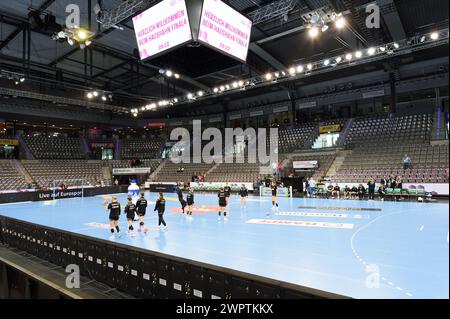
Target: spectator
(330,189)
(383,182)
(354,192)
(382,192)
(361,192)
(347,192)
(307,189)
(371,188)
(312,187)
(399,182)
(336,191)
(116,182)
(406,162)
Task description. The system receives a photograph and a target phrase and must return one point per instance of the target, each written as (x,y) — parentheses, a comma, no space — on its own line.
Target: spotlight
(222,88)
(88,43)
(383,49)
(309,67)
(277,74)
(292,71)
(175,100)
(268,76)
(313,32)
(135,114)
(95,93)
(358,54)
(177,76)
(422,39)
(235,85)
(340,23)
(371,51)
(190,96)
(300,68)
(283,73)
(169,73)
(16,82)
(325,28)
(22,80)
(216,90)
(104,98)
(82,34)
(70,41)
(90,95)
(326,62)
(396,45)
(434,36)
(227,87)
(200,93)
(349,57)
(338,59)
(241,83)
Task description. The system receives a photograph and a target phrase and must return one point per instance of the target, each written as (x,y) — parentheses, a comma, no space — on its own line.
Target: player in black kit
(180,197)
(274,195)
(190,201)
(223,202)
(160,207)
(141,206)
(130,210)
(243,193)
(114,215)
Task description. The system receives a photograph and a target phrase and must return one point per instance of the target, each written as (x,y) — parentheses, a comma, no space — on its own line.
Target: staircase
(25,174)
(314,135)
(24,147)
(337,163)
(438,128)
(153,175)
(345,132)
(106,174)
(86,149)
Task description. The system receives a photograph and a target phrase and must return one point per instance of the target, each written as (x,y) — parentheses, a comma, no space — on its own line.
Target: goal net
(67,188)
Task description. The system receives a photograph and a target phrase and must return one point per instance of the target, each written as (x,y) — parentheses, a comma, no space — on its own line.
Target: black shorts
(190,203)
(130,216)
(222,204)
(114,217)
(141,213)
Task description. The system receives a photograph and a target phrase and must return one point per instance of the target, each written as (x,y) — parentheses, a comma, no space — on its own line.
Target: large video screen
(225,29)
(162,27)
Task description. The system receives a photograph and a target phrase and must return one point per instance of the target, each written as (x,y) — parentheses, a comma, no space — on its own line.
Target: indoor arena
(212,149)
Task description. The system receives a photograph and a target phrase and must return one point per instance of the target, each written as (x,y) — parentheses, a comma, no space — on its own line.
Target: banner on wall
(330,128)
(9,142)
(305,164)
(281,191)
(131,171)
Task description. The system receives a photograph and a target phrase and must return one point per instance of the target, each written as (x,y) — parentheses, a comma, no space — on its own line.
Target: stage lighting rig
(80,36)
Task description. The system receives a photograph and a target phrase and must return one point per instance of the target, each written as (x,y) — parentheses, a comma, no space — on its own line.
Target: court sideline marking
(390,283)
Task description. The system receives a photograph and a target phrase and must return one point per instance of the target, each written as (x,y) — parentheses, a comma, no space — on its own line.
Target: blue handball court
(357,249)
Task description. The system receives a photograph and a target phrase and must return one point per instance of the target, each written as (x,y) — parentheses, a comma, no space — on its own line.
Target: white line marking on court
(422,228)
(362,261)
(18,203)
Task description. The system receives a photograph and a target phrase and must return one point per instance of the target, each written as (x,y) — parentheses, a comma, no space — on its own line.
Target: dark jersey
(141,205)
(274,190)
(371,186)
(336,188)
(160,205)
(222,198)
(243,192)
(361,189)
(179,193)
(354,189)
(114,210)
(347,189)
(130,210)
(227,190)
(190,199)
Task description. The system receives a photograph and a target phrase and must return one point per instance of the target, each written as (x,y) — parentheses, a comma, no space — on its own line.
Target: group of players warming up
(187,207)
(131,210)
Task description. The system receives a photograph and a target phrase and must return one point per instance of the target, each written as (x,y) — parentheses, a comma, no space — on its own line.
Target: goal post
(74,187)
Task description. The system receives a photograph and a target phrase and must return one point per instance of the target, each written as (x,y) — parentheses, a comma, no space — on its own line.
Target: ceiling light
(422,39)
(292,71)
(349,57)
(88,42)
(82,34)
(313,32)
(371,51)
(241,83)
(358,54)
(177,76)
(169,73)
(309,67)
(190,96)
(340,23)
(326,62)
(235,85)
(268,76)
(70,41)
(95,93)
(396,45)
(104,98)
(222,88)
(325,28)
(200,93)
(216,90)
(434,36)
(22,80)
(300,69)
(90,95)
